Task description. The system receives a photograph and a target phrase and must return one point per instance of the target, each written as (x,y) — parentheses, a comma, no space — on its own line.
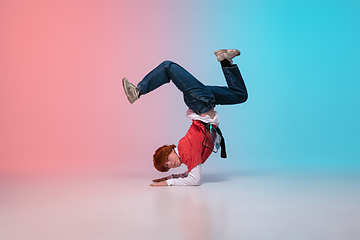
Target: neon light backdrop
(63,109)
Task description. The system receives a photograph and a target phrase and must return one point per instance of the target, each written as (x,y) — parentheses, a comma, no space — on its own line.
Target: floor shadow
(208,178)
(224,176)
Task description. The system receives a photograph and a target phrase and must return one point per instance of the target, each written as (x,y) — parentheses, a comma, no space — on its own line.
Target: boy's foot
(220,54)
(229,54)
(131,91)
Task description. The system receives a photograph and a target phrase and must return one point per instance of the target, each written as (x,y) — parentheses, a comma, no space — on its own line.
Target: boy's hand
(159,184)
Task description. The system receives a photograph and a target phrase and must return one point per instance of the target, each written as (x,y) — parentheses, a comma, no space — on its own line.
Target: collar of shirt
(177,151)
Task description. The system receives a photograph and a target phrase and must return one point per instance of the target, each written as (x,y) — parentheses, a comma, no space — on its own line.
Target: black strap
(222,144)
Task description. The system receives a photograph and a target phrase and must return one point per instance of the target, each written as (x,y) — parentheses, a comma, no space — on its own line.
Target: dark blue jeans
(197,96)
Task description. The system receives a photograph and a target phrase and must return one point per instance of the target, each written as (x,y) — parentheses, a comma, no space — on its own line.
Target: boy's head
(165,158)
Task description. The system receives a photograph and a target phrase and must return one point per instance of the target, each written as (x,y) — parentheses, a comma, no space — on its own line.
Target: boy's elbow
(197,182)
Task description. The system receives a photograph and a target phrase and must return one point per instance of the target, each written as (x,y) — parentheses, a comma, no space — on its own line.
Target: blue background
(300,61)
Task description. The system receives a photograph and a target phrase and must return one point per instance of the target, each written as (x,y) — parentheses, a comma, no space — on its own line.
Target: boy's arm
(162,181)
(172,176)
(191,178)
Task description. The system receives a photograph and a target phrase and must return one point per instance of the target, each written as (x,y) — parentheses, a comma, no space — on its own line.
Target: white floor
(259,206)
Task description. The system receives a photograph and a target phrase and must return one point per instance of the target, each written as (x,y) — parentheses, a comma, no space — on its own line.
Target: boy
(204,135)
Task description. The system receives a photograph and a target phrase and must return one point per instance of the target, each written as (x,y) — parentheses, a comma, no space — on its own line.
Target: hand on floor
(159,184)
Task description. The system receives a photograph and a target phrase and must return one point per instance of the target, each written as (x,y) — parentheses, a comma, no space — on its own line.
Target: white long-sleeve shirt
(192,179)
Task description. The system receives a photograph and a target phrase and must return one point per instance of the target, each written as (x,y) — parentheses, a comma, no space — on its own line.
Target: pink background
(62,103)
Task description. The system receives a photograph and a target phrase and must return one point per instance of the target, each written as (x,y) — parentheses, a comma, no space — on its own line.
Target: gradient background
(63,110)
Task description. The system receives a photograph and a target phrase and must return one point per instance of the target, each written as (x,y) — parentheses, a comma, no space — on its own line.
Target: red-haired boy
(204,135)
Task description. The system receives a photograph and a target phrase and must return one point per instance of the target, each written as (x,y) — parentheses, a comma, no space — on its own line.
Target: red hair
(160,157)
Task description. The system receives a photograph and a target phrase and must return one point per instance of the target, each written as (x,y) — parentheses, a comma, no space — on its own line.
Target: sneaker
(226,54)
(131,91)
(220,54)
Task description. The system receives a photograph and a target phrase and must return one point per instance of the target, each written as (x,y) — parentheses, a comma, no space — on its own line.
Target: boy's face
(173,160)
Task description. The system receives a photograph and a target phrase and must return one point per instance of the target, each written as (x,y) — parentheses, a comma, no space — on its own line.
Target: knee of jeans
(246,96)
(243,97)
(166,63)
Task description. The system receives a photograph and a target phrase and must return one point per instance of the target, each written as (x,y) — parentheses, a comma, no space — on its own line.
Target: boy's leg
(164,73)
(196,95)
(236,91)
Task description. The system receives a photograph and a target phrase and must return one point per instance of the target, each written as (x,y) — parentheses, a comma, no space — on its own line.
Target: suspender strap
(222,144)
